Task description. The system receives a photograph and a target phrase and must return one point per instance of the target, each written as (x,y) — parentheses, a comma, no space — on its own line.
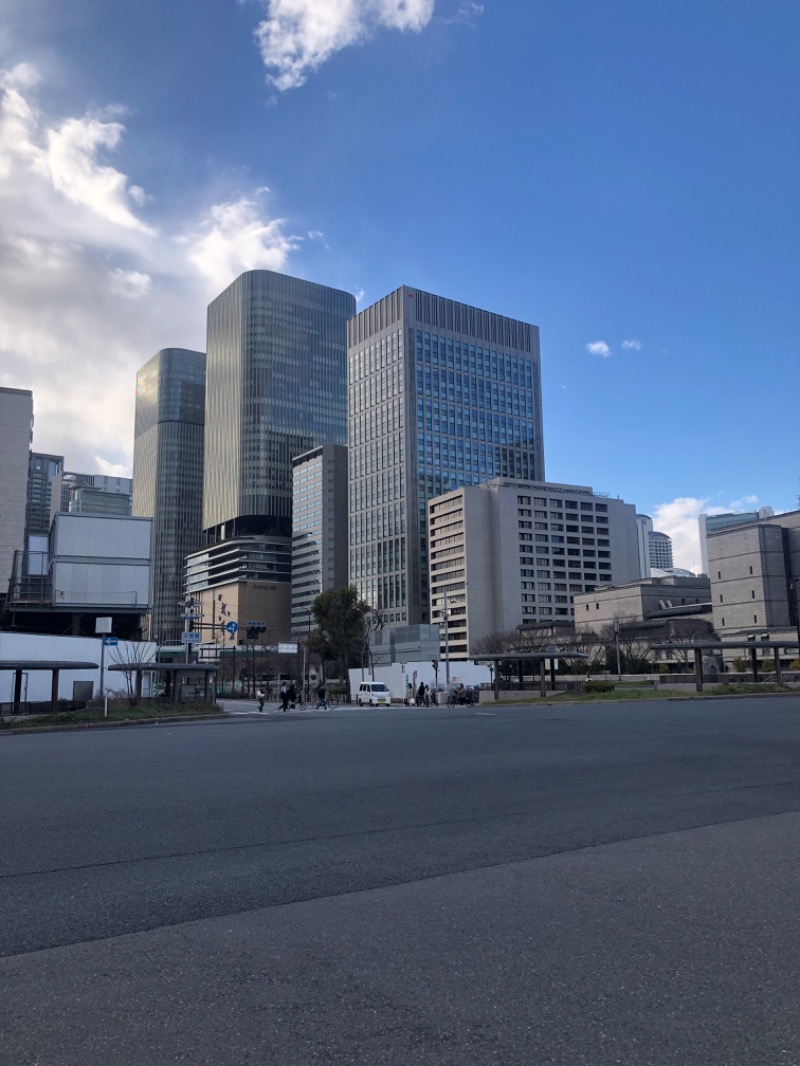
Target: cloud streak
(632,345)
(298,36)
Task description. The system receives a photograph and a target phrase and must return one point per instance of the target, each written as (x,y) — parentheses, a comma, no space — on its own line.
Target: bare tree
(132,658)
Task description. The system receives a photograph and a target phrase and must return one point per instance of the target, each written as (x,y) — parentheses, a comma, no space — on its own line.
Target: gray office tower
(168,474)
(442,395)
(276,387)
(16,431)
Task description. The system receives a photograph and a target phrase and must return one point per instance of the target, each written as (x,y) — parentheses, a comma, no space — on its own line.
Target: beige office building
(511,552)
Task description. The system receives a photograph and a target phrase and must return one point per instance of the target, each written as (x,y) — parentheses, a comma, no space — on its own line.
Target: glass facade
(168,474)
(442,395)
(44,493)
(319,527)
(276,388)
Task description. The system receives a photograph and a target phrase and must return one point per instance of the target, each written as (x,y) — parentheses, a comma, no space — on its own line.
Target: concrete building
(319,527)
(644,527)
(16,431)
(755,577)
(245,580)
(511,552)
(442,395)
(660,549)
(712,523)
(168,474)
(642,600)
(276,387)
(94,566)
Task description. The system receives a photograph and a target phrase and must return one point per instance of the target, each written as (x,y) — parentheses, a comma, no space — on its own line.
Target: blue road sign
(110,642)
(232,627)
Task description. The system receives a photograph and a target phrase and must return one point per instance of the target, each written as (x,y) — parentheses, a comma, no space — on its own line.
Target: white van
(373,694)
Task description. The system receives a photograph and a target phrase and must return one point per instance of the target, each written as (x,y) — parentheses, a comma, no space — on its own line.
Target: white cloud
(129,283)
(298,36)
(598,348)
(678,519)
(90,288)
(632,345)
(236,238)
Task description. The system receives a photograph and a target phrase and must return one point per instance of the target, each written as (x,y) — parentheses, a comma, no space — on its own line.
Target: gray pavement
(587,885)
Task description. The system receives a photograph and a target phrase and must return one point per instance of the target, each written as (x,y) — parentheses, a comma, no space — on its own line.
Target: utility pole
(616,645)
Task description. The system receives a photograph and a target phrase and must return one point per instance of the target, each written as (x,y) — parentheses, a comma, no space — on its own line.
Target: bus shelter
(537,660)
(171,673)
(19,667)
(700,648)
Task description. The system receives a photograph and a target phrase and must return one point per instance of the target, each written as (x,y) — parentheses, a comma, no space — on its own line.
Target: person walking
(261,696)
(421,695)
(284,696)
(291,695)
(321,699)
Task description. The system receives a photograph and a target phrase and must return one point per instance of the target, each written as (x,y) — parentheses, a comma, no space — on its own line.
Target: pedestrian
(321,700)
(291,695)
(421,694)
(284,696)
(261,696)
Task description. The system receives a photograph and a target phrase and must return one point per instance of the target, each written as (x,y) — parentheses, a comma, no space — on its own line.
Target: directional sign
(289,648)
(190,638)
(232,627)
(110,642)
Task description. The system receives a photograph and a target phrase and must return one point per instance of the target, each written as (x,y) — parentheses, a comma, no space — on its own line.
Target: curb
(71,727)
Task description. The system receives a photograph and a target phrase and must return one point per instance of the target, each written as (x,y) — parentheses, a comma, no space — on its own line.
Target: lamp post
(445,619)
(304,687)
(793,583)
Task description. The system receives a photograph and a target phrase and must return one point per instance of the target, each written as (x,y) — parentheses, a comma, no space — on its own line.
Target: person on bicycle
(291,695)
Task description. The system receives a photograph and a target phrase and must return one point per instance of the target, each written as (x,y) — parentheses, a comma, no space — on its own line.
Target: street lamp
(793,583)
(446,620)
(304,687)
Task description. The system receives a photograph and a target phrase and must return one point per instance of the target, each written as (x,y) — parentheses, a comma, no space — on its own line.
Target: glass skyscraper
(276,387)
(442,395)
(168,473)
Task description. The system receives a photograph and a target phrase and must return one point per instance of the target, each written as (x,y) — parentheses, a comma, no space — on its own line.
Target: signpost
(192,637)
(102,627)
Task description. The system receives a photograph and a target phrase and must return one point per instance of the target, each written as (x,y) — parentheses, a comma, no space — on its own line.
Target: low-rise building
(755,577)
(638,601)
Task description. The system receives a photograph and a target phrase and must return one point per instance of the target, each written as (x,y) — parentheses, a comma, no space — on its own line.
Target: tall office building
(644,527)
(71,482)
(276,387)
(512,552)
(16,430)
(660,551)
(441,395)
(44,493)
(168,473)
(319,527)
(86,500)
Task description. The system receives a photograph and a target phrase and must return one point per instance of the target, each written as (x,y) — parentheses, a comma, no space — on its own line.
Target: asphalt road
(594,884)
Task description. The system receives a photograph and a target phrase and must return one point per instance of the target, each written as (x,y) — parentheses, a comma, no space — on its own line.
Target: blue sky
(619,172)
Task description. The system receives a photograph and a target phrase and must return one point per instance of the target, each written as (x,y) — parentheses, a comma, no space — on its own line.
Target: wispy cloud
(90,285)
(632,345)
(598,348)
(298,36)
(467,12)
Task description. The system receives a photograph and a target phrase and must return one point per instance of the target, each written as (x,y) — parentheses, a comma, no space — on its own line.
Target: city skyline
(604,178)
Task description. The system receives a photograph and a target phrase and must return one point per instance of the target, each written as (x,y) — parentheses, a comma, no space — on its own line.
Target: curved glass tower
(276,387)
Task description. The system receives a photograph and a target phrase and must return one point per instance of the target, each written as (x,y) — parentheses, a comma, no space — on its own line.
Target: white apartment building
(509,552)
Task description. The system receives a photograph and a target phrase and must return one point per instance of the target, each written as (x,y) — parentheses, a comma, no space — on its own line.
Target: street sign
(190,638)
(232,627)
(102,625)
(110,642)
(287,649)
